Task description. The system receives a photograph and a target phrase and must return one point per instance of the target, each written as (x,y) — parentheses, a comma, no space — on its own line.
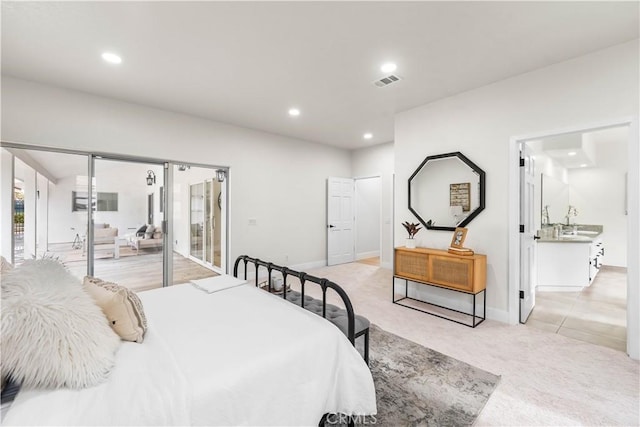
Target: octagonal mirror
(446,191)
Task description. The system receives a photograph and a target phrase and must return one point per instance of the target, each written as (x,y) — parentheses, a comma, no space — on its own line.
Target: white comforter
(236,357)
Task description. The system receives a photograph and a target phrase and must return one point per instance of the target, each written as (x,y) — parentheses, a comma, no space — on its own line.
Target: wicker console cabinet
(433,267)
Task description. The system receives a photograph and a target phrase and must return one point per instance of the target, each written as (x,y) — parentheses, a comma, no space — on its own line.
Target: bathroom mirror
(555,200)
(446,191)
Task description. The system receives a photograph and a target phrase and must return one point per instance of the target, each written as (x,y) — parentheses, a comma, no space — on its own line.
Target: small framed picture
(458,237)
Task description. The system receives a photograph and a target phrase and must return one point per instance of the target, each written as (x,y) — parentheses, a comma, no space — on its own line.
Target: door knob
(536,237)
(331,226)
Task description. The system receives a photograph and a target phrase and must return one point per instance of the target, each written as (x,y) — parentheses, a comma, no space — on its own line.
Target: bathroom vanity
(570,261)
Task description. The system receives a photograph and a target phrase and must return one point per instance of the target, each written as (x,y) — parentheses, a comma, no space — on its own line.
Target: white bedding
(236,357)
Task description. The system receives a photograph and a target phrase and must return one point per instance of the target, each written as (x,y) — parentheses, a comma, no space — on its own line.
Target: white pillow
(121,306)
(53,334)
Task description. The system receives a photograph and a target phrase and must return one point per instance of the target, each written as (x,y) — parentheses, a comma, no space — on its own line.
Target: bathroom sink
(588,233)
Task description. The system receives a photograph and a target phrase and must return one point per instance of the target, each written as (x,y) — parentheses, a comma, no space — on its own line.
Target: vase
(411,243)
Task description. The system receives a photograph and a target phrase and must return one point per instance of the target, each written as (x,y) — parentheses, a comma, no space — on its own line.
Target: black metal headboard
(304,278)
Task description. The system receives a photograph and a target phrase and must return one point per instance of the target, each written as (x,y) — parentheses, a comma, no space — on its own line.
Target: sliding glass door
(206,215)
(196,219)
(199,219)
(137,222)
(128,222)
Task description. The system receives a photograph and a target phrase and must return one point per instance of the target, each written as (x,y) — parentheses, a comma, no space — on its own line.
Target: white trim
(364,255)
(497,315)
(560,288)
(633,219)
(633,242)
(309,265)
(449,299)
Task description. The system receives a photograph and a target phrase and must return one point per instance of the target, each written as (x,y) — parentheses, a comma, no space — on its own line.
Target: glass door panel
(128,237)
(208,221)
(217,224)
(45,223)
(191,222)
(197,220)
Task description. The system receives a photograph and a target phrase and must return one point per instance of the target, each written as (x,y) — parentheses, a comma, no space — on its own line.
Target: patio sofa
(147,237)
(105,237)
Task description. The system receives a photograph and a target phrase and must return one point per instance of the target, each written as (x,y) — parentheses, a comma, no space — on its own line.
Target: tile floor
(597,314)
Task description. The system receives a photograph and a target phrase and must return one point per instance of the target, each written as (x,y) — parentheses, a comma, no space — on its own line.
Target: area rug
(417,386)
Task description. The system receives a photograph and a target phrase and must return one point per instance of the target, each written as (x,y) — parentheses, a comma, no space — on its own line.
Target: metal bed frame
(304,278)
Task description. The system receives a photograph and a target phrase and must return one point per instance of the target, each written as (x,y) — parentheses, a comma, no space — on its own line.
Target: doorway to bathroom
(581,195)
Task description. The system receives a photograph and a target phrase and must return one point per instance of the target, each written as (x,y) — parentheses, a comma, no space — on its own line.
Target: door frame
(633,221)
(356,213)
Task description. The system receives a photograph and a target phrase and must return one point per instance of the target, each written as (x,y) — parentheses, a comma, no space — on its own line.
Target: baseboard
(387,265)
(309,265)
(365,255)
(447,298)
(498,315)
(560,288)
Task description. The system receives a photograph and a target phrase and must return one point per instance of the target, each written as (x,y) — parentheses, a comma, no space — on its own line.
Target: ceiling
(247,63)
(579,149)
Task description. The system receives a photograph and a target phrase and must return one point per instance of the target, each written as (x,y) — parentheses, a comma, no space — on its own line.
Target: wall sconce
(220,175)
(183,168)
(151,177)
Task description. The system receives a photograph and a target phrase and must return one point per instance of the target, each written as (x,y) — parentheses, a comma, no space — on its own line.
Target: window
(106,202)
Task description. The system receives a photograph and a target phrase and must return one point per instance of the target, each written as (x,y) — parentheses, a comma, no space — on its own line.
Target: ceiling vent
(386,81)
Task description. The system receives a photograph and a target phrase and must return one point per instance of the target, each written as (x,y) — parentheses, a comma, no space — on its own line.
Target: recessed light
(294,112)
(389,67)
(111,58)
(367,136)
(584,165)
(571,153)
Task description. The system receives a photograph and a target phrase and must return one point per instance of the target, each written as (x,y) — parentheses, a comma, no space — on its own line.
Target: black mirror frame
(473,214)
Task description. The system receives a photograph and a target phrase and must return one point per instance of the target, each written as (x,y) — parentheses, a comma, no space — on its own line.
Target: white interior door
(340,219)
(527,234)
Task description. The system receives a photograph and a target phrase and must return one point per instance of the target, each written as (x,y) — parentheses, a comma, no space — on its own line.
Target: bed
(238,356)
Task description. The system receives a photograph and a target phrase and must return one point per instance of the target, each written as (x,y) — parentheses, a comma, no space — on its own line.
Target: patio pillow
(122,307)
(141,230)
(53,333)
(148,234)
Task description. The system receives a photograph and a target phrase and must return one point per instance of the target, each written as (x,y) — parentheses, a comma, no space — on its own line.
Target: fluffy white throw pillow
(53,334)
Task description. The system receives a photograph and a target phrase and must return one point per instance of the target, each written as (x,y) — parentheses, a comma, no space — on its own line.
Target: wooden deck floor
(137,272)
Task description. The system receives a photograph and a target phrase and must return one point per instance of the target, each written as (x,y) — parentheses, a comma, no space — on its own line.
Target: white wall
(29,186)
(479,123)
(599,195)
(279,181)
(42,212)
(368,198)
(379,161)
(6,202)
